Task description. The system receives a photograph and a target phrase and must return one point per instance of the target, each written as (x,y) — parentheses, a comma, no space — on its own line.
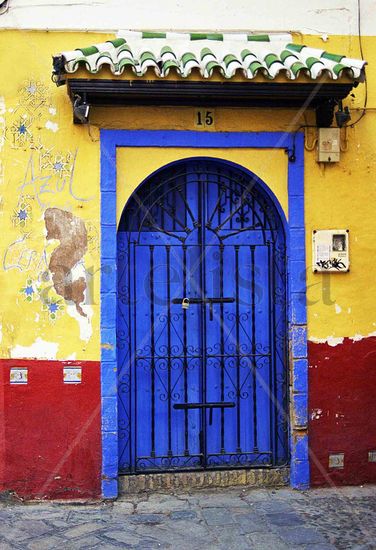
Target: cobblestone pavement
(238,518)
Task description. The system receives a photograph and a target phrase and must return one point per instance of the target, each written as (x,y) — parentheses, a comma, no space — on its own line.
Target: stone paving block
(162,535)
(217,516)
(286,519)
(83,529)
(323,492)
(152,519)
(323,546)
(180,534)
(122,536)
(356,492)
(22,530)
(250,523)
(236,543)
(56,522)
(222,500)
(288,495)
(46,543)
(40,514)
(200,545)
(123,508)
(253,495)
(231,536)
(161,506)
(183,515)
(5,515)
(86,542)
(151,545)
(301,535)
(259,541)
(88,515)
(274,507)
(190,529)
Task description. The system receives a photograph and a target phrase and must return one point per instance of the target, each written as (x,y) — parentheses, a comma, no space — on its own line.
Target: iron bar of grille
(216,207)
(271,362)
(185,365)
(254,388)
(131,374)
(152,343)
(133,457)
(203,443)
(273,359)
(221,251)
(187,207)
(169,427)
(238,447)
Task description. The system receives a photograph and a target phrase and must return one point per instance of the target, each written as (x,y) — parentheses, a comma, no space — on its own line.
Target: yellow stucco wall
(46,161)
(134,164)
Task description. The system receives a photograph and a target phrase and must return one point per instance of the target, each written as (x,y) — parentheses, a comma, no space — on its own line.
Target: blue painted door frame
(110,141)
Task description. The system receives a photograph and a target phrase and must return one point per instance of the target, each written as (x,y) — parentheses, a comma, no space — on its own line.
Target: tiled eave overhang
(234,70)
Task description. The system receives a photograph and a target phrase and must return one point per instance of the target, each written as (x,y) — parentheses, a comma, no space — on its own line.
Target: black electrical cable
(365,77)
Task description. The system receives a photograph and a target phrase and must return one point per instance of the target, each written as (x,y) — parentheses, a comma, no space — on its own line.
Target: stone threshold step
(258,478)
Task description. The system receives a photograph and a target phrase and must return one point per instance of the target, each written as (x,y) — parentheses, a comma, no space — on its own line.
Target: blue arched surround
(113,139)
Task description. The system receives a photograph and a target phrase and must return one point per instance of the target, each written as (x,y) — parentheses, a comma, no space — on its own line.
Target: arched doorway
(201,322)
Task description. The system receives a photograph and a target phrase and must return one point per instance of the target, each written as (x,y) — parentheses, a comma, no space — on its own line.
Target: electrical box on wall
(328,145)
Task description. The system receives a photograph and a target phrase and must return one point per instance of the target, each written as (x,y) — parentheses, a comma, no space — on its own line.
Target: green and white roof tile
(229,54)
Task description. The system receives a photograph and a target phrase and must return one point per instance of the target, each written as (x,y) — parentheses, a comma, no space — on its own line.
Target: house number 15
(204,118)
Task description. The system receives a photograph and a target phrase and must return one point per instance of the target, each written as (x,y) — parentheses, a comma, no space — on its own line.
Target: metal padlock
(185,303)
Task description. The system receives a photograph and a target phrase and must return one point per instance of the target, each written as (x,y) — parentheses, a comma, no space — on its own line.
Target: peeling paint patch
(334,341)
(52,111)
(358,337)
(53,126)
(338,308)
(86,329)
(71,232)
(330,340)
(316,414)
(40,349)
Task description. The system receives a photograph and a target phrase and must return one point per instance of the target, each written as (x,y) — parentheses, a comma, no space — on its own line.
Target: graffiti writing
(333,263)
(44,186)
(19,256)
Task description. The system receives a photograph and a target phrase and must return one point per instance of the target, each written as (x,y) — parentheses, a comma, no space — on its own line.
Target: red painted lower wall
(50,442)
(342,406)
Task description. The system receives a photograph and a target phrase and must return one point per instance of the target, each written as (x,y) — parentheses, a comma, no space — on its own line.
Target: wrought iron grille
(201,322)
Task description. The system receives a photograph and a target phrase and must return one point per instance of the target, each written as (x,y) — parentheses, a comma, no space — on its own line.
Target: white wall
(306,16)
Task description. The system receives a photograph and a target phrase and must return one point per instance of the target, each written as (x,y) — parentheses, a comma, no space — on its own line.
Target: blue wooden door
(201,322)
